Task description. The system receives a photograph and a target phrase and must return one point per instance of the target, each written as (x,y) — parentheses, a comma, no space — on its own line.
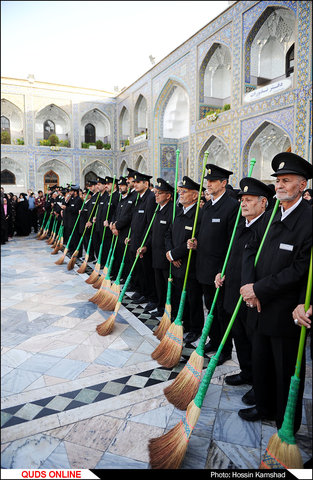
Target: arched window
(7,177)
(50,178)
(90,133)
(90,176)
(48,129)
(290,60)
(5,124)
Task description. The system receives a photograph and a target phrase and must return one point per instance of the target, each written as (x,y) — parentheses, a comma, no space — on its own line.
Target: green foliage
(5,137)
(85,145)
(226,107)
(20,141)
(64,143)
(45,143)
(54,139)
(99,144)
(107,146)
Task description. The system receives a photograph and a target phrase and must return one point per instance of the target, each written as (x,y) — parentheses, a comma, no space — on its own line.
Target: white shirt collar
(285,213)
(248,224)
(217,199)
(185,210)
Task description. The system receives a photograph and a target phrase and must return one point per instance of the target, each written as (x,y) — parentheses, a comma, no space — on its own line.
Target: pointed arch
(15,117)
(57,116)
(140,116)
(263,144)
(101,124)
(218,152)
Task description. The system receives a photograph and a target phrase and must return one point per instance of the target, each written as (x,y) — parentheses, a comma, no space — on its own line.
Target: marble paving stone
(196,454)
(17,380)
(14,357)
(109,461)
(82,457)
(114,358)
(230,428)
(157,417)
(28,452)
(57,459)
(39,363)
(67,368)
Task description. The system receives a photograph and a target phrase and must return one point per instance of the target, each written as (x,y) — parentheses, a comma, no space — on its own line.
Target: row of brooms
(188,390)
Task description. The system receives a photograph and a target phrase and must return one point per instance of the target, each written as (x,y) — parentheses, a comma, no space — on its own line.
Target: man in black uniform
(110,207)
(121,223)
(65,202)
(156,243)
(254,198)
(90,207)
(177,253)
(218,219)
(143,277)
(83,217)
(98,229)
(72,211)
(274,287)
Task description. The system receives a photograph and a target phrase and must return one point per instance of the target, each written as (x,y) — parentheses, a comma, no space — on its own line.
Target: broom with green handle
(83,266)
(165,321)
(59,243)
(184,388)
(106,327)
(282,451)
(168,451)
(61,259)
(169,350)
(104,281)
(95,274)
(47,226)
(50,240)
(73,259)
(97,284)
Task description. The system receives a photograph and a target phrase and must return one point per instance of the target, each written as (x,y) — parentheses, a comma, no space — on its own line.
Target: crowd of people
(266,331)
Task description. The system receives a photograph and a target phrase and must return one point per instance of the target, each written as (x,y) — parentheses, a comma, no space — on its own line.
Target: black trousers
(193,317)
(86,242)
(143,276)
(161,279)
(242,336)
(220,318)
(273,364)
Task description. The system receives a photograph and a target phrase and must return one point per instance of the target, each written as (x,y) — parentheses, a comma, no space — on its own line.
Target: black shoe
(237,379)
(252,415)
(157,313)
(150,306)
(249,397)
(209,347)
(135,296)
(223,358)
(141,299)
(192,337)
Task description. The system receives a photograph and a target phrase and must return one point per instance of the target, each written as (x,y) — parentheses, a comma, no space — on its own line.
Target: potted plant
(99,144)
(54,139)
(5,137)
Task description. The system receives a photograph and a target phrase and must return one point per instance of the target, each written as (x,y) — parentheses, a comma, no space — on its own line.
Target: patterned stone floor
(74,399)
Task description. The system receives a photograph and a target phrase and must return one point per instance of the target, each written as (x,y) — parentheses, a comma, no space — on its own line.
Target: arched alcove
(52,170)
(264,143)
(18,171)
(55,120)
(267,47)
(215,79)
(218,153)
(97,167)
(94,126)
(141,165)
(124,127)
(14,120)
(123,168)
(140,116)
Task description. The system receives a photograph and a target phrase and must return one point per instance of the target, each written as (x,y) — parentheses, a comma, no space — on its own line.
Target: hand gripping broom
(168,451)
(106,327)
(73,259)
(95,274)
(168,352)
(61,259)
(184,388)
(83,266)
(165,322)
(115,287)
(282,451)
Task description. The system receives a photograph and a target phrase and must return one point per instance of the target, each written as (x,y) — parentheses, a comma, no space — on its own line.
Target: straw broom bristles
(168,451)
(281,455)
(97,284)
(58,246)
(72,261)
(106,327)
(109,300)
(169,350)
(102,291)
(61,259)
(185,386)
(83,266)
(165,322)
(94,275)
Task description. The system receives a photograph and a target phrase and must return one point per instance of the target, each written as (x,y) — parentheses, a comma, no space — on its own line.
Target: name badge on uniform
(216,220)
(188,228)
(163,221)
(141,211)
(285,246)
(72,205)
(130,201)
(93,203)
(101,203)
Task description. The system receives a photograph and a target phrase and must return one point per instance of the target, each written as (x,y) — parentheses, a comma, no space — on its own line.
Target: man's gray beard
(286,198)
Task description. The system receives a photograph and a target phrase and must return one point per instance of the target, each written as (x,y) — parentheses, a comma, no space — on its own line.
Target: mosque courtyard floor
(74,399)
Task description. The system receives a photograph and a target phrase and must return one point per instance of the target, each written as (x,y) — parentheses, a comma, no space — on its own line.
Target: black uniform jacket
(73,206)
(232,282)
(282,269)
(156,239)
(123,214)
(141,217)
(104,201)
(217,225)
(176,241)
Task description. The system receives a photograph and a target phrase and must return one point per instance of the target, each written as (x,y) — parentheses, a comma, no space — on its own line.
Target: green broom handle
(91,233)
(198,400)
(44,217)
(112,247)
(106,217)
(90,216)
(208,322)
(137,256)
(286,431)
(184,292)
(70,237)
(117,280)
(110,264)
